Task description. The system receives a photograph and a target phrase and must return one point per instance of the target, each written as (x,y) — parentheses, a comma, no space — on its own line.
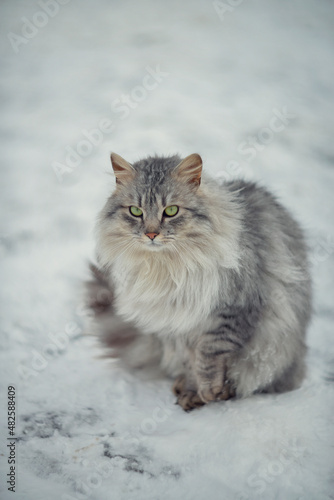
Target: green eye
(137,212)
(171,211)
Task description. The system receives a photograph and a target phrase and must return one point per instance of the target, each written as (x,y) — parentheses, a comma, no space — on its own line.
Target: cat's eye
(137,212)
(171,211)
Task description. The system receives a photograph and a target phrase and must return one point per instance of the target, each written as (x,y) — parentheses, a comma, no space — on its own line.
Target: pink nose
(152,235)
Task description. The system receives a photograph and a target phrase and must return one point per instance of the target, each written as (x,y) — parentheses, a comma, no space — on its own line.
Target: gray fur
(224,294)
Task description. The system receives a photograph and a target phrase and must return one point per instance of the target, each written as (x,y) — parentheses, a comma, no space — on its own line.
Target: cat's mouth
(154,245)
(157,243)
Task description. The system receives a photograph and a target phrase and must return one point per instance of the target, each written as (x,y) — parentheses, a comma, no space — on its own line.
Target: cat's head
(156,205)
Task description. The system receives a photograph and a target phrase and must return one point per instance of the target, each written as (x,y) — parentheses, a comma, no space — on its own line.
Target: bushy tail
(121,339)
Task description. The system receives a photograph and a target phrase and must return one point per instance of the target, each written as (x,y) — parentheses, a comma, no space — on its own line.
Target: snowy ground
(86,429)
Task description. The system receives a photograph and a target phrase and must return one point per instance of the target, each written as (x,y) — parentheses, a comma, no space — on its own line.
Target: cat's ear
(124,172)
(190,169)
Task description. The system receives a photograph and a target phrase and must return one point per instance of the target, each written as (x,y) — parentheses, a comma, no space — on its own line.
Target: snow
(86,428)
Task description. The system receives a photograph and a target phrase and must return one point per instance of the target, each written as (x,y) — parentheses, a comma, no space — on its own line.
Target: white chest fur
(164,298)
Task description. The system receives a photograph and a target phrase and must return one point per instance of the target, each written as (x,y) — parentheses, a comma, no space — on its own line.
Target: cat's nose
(151,235)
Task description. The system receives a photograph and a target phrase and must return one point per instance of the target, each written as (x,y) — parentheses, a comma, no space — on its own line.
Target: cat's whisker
(127,247)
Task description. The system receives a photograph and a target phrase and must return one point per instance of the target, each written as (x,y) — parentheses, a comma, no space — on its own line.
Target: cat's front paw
(220,392)
(179,385)
(188,399)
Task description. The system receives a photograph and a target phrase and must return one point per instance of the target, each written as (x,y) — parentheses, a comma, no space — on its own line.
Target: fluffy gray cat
(209,280)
